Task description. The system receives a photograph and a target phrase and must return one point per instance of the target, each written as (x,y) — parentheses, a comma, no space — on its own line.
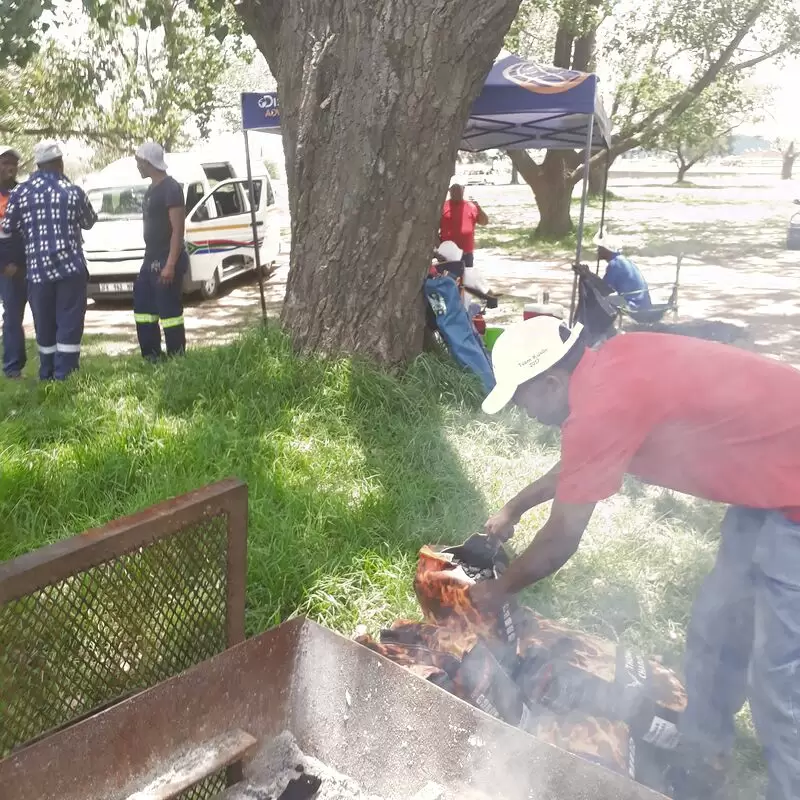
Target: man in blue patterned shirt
(50,211)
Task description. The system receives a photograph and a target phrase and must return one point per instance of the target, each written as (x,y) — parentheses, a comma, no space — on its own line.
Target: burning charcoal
(302,788)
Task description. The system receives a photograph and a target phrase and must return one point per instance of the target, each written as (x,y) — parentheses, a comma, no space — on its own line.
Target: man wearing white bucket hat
(701,418)
(621,274)
(50,211)
(158,290)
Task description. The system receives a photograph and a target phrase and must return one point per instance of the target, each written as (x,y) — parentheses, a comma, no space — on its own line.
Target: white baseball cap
(47,151)
(524,351)
(10,151)
(611,243)
(450,251)
(152,153)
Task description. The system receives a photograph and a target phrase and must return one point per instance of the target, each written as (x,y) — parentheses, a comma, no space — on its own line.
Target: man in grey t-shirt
(158,291)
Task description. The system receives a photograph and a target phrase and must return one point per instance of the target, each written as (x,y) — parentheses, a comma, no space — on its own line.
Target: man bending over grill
(698,417)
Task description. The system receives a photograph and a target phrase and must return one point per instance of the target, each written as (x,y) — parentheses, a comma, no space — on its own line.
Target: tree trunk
(514,174)
(552,184)
(373,100)
(597,179)
(789,157)
(682,170)
(555,221)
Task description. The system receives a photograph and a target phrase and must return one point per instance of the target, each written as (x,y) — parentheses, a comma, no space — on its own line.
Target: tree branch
(743,65)
(87,135)
(675,105)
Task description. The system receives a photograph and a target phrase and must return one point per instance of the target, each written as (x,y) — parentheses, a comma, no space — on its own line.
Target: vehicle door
(219,229)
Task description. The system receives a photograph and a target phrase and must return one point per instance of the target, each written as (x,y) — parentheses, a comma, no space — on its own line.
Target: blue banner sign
(260,111)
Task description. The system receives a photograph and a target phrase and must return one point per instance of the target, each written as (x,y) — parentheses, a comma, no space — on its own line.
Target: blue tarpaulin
(525,105)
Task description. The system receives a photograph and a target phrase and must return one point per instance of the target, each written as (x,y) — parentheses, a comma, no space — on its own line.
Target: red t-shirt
(699,417)
(458,224)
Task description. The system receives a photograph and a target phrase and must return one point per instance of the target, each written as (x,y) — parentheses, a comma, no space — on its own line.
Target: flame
(468,652)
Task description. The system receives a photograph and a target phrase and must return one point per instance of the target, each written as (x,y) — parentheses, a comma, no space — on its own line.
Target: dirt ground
(736,277)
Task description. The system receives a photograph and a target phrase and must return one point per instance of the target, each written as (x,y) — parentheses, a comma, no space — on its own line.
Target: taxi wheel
(210,289)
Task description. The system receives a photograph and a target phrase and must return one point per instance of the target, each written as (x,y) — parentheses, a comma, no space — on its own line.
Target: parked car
(219,229)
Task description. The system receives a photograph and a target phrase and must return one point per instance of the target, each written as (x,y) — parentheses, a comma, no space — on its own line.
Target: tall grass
(349,471)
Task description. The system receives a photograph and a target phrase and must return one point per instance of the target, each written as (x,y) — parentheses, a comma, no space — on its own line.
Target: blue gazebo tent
(523,105)
(526,106)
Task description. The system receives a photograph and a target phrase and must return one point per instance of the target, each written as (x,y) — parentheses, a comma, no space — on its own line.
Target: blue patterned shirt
(49,211)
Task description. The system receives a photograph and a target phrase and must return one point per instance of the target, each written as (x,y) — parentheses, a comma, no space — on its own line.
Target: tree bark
(552,183)
(373,100)
(787,167)
(597,178)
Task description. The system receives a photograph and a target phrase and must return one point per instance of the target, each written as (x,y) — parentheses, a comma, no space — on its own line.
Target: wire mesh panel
(89,621)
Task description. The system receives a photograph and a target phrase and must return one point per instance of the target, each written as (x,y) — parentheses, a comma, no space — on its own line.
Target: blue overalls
(14,295)
(155,302)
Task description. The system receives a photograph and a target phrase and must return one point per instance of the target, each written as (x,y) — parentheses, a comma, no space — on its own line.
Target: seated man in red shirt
(459,218)
(698,417)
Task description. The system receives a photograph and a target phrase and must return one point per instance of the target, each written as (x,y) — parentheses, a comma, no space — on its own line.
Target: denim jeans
(744,639)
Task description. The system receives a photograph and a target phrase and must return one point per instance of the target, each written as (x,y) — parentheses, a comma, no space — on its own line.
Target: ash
(280,762)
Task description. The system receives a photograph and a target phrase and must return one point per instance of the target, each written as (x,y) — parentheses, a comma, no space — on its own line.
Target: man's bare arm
(501,525)
(553,546)
(177,219)
(482,218)
(540,491)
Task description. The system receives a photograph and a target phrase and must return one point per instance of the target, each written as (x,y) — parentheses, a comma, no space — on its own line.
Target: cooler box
(532,310)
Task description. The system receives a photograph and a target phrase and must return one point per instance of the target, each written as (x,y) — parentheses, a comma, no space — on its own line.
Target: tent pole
(603,210)
(254,224)
(584,198)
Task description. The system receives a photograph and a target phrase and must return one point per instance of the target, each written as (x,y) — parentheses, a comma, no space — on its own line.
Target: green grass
(349,471)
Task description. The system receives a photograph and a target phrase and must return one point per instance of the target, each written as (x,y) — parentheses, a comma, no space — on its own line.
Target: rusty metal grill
(91,620)
(208,789)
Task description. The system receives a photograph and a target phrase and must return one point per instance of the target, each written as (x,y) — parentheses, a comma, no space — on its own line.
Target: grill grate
(80,643)
(208,789)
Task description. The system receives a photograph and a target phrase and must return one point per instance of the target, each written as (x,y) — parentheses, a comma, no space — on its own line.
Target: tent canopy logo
(543,80)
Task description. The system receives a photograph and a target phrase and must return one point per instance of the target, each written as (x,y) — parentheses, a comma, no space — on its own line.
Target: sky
(783,116)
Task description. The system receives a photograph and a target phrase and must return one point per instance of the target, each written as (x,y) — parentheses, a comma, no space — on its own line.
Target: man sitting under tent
(622,275)
(698,417)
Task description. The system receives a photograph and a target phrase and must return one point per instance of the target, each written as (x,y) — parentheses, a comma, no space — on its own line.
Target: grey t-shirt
(158,199)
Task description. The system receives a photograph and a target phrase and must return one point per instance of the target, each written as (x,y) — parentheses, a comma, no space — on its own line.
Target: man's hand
(10,270)
(167,274)
(501,525)
(488,596)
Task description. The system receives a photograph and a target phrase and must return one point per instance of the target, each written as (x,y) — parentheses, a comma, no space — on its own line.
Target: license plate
(115,288)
